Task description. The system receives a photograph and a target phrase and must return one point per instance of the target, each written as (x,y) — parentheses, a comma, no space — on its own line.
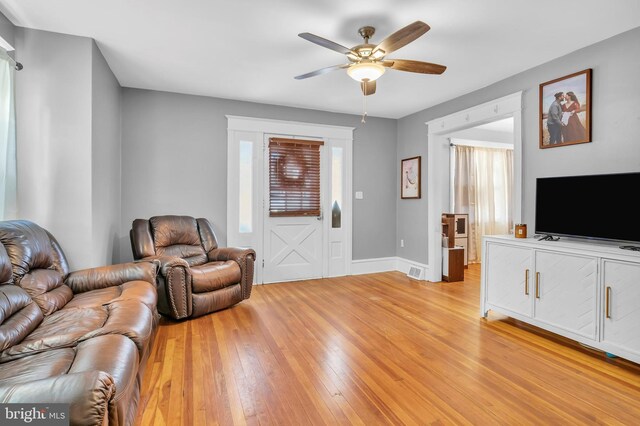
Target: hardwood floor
(377,349)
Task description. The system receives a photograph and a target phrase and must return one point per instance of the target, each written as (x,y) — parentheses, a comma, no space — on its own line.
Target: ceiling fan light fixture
(365,71)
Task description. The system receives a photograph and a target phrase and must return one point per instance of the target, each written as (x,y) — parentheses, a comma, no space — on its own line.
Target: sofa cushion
(28,247)
(178,236)
(35,367)
(141,291)
(68,327)
(215,275)
(129,318)
(46,288)
(207,236)
(62,329)
(37,265)
(5,266)
(19,315)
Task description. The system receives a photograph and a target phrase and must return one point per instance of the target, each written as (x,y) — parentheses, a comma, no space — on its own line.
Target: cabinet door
(507,270)
(621,305)
(565,288)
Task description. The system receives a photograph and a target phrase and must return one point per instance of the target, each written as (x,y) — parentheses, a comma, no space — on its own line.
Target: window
(483,188)
(245,188)
(294,177)
(7,138)
(336,187)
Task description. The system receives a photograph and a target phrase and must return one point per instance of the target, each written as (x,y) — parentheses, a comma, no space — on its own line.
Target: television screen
(593,206)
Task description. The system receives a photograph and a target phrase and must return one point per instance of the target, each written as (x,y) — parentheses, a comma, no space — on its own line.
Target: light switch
(359,195)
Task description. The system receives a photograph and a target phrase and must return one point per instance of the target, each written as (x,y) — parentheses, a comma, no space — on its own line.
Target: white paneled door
(293,248)
(293,244)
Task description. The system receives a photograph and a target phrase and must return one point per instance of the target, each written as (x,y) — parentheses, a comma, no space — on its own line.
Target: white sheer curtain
(7,139)
(483,188)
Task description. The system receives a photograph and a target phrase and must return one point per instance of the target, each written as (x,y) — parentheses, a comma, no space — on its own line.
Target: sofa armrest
(231,253)
(89,395)
(110,276)
(244,257)
(174,286)
(165,263)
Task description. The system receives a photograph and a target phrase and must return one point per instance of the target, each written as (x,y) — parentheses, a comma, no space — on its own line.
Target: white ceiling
(249,50)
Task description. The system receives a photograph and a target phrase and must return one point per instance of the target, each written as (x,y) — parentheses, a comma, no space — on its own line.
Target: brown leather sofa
(196,277)
(80,337)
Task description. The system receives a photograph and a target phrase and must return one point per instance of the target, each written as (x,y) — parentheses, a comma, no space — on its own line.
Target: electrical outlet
(401,243)
(359,195)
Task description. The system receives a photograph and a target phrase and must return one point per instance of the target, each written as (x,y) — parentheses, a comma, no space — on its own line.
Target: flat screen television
(594,206)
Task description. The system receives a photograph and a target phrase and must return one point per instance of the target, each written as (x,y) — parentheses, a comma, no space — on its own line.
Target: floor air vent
(415,273)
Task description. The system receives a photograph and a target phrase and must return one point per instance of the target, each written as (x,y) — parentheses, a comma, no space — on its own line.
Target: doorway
(312,244)
(482,180)
(439,168)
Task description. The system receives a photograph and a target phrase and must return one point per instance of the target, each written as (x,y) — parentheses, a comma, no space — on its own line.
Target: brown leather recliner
(196,277)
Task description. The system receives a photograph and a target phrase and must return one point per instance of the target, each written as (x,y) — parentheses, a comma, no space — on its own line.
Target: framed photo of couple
(565,110)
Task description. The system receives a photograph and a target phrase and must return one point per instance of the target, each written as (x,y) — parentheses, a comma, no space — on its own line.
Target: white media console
(584,290)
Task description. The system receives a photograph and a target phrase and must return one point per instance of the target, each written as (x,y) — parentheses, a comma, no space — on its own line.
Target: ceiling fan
(368,61)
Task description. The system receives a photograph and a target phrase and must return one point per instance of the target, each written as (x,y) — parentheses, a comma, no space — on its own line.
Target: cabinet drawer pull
(526,282)
(607,302)
(537,285)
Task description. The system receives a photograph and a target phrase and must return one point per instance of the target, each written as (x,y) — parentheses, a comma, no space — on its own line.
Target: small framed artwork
(565,110)
(410,178)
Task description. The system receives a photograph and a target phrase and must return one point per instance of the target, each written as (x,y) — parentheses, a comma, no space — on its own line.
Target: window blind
(294,177)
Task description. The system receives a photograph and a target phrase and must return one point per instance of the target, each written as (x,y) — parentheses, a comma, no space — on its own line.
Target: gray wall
(615,128)
(53,113)
(106,103)
(174,159)
(68,127)
(7,30)
(412,214)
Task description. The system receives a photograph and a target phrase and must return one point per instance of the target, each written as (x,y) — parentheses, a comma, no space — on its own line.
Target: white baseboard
(403,266)
(386,264)
(371,266)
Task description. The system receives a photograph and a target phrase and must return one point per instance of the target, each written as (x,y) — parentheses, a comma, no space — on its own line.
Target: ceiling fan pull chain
(364,104)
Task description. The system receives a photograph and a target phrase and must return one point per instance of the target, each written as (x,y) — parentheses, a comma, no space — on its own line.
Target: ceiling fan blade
(414,66)
(321,71)
(402,37)
(327,43)
(368,87)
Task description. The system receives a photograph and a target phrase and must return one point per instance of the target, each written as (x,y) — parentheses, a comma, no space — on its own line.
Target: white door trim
(438,165)
(267,125)
(254,130)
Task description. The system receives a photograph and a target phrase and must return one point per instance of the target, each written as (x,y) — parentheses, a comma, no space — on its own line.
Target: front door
(293,221)
(293,249)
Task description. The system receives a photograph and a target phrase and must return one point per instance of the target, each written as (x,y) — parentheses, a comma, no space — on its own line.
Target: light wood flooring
(377,349)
